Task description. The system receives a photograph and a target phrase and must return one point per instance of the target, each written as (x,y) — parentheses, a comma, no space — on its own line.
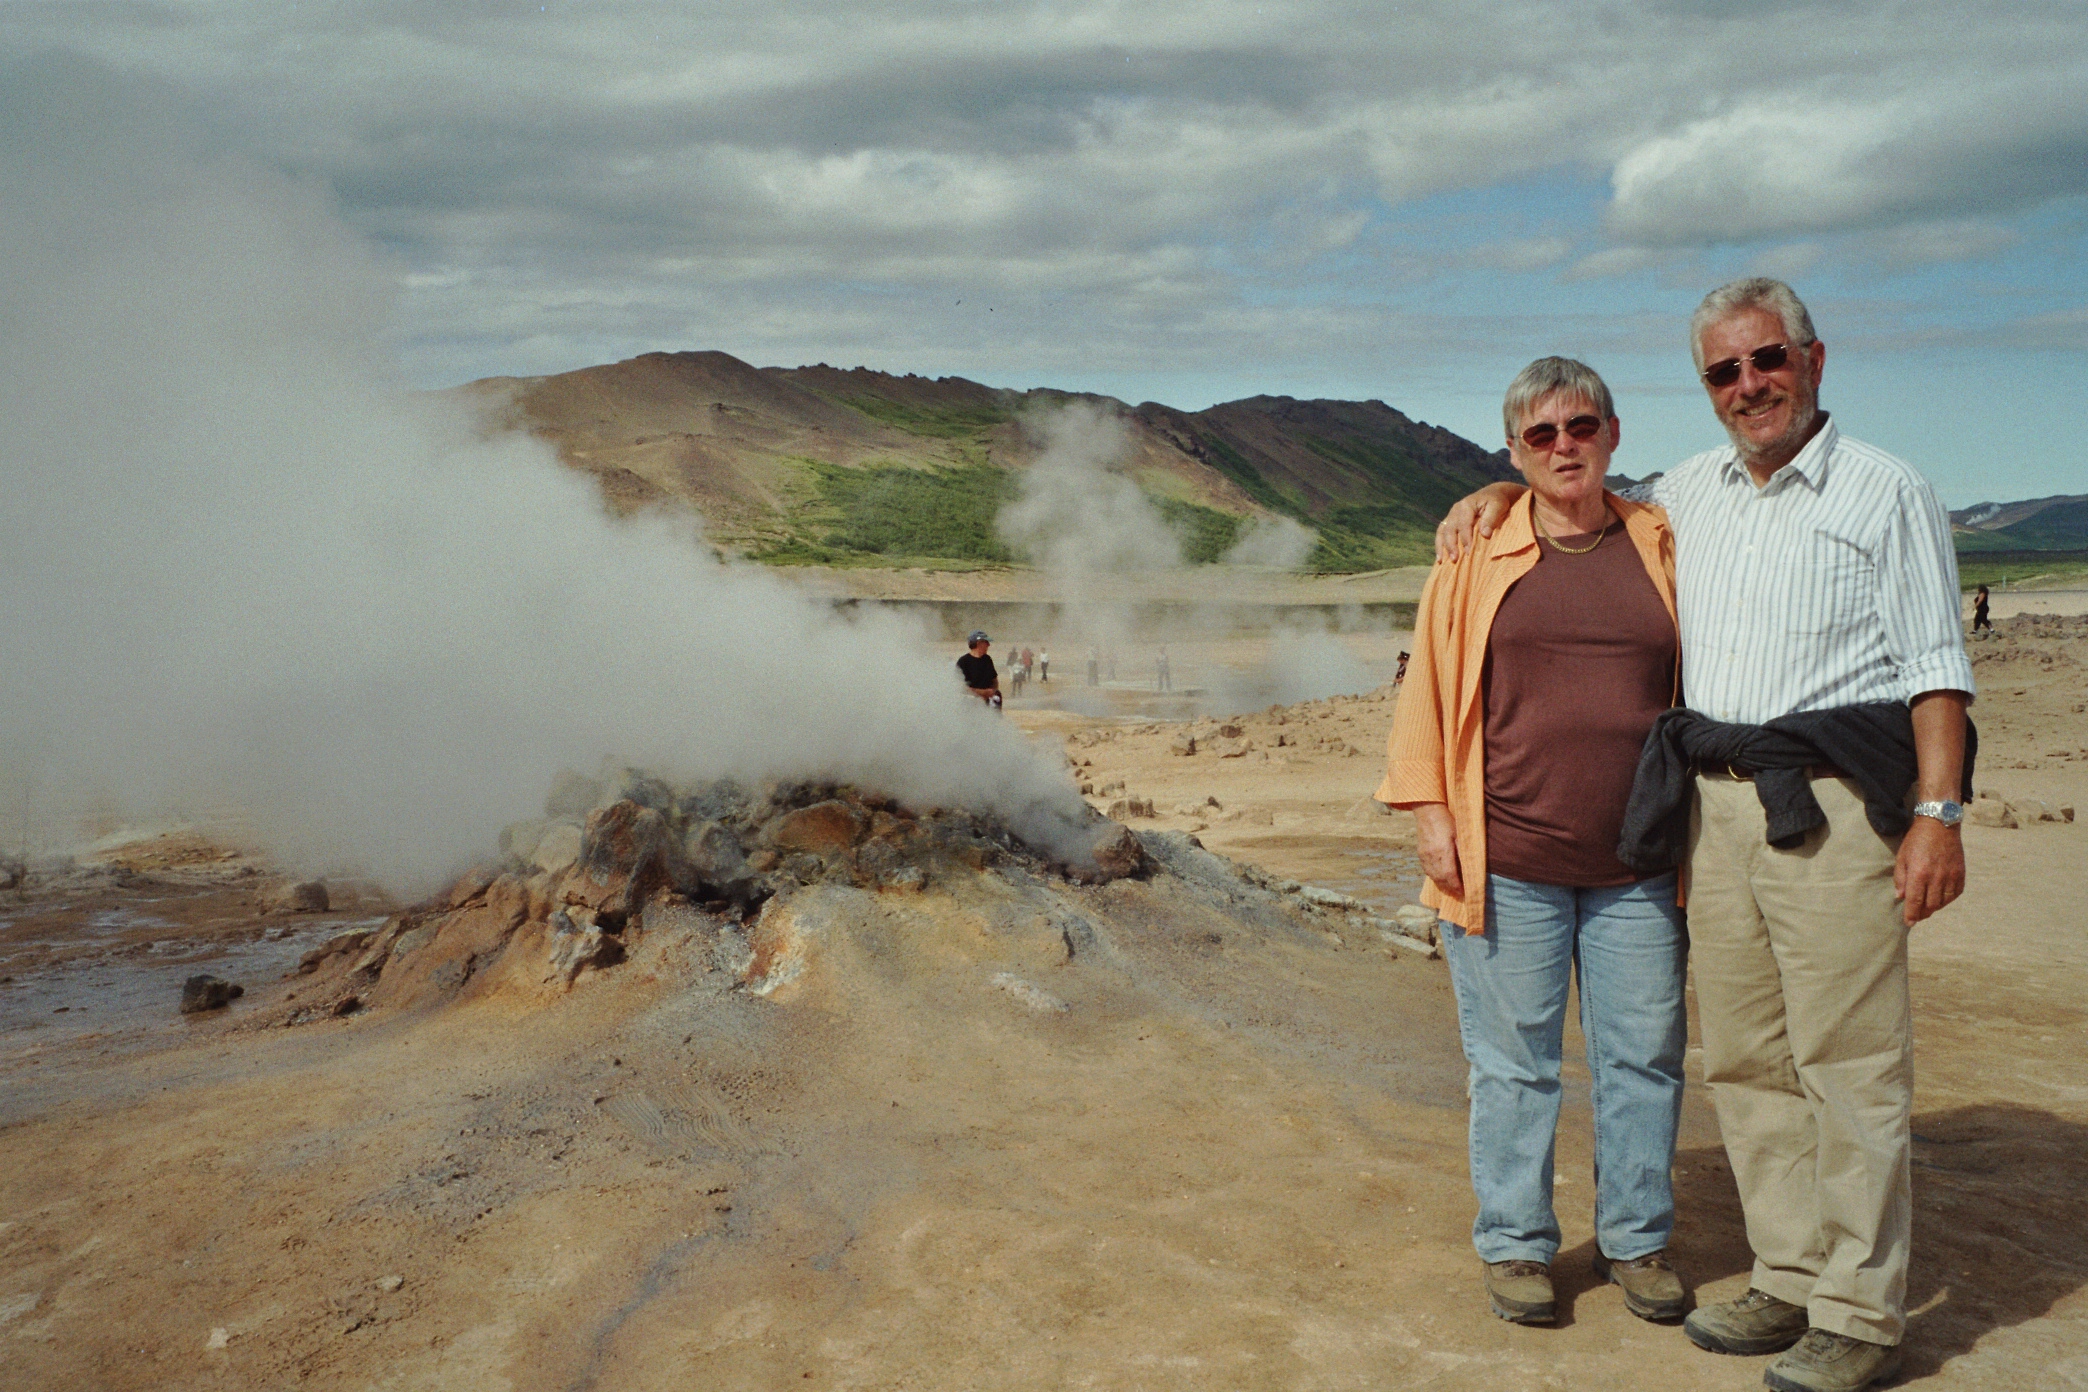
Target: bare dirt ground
(1234,1160)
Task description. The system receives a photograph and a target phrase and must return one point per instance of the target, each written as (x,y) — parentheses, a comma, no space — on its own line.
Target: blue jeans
(1628,946)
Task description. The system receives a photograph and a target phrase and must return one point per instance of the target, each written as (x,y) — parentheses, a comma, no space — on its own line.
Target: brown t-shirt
(1580,659)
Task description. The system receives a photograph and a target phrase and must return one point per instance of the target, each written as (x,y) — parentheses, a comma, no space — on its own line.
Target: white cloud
(1121,177)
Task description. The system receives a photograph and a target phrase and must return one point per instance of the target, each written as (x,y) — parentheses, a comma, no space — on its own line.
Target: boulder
(2028,810)
(557,848)
(1230,746)
(307,896)
(1114,853)
(571,795)
(823,829)
(1417,920)
(519,839)
(339,945)
(1183,744)
(1989,812)
(626,852)
(206,992)
(578,943)
(1130,807)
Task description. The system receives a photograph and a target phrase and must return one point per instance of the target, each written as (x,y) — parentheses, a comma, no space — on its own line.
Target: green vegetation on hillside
(1370,538)
(889,513)
(1990,568)
(1206,533)
(932,422)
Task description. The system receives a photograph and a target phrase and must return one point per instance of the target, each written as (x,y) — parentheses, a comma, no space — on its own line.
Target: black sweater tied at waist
(1872,743)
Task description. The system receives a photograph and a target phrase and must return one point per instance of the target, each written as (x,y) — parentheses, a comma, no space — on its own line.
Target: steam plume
(240,565)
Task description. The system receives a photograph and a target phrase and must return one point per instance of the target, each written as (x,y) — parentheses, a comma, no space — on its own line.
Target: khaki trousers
(1801,978)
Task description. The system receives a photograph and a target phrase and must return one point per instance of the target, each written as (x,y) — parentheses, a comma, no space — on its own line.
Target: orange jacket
(1436,751)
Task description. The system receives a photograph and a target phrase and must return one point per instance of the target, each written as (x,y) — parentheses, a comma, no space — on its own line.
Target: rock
(1989,812)
(1036,999)
(907,879)
(1328,898)
(206,992)
(12,873)
(576,944)
(1418,921)
(2066,812)
(626,852)
(571,795)
(2028,810)
(519,839)
(1250,816)
(714,853)
(1230,746)
(335,946)
(388,1284)
(1131,807)
(1183,744)
(1231,731)
(1113,854)
(308,896)
(1408,944)
(557,849)
(471,885)
(824,828)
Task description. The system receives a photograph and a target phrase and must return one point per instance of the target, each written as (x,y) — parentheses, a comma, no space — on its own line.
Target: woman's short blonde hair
(1546,376)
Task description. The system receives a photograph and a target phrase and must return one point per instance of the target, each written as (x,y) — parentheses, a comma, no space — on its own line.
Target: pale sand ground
(1231,1165)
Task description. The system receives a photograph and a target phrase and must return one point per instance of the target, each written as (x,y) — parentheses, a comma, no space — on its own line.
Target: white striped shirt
(1834,583)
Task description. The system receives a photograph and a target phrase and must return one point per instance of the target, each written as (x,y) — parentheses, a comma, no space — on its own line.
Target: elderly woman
(1541,657)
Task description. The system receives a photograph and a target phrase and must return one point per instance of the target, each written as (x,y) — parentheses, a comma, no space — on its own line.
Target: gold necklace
(1600,533)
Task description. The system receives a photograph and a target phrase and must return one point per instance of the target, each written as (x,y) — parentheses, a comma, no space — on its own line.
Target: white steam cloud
(240,567)
(1075,517)
(1272,543)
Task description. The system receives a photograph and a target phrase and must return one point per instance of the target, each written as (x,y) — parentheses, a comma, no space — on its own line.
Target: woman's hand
(1436,841)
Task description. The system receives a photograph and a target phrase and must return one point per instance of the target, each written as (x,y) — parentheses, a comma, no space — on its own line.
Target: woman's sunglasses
(1724,374)
(1545,435)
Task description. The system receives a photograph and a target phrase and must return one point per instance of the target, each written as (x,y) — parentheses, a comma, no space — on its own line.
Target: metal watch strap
(1947,812)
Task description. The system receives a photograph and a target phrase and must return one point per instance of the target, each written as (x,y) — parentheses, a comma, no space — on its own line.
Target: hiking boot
(1827,1362)
(1652,1290)
(1756,1323)
(1521,1291)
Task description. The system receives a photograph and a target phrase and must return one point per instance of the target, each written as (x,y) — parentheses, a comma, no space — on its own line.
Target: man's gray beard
(1786,444)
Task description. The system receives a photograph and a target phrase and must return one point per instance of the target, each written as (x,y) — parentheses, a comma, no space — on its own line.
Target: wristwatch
(1947,812)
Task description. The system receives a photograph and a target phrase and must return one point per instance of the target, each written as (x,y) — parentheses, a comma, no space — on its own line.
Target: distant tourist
(1043,666)
(1399,677)
(1094,668)
(1979,611)
(1017,674)
(976,667)
(1163,679)
(1543,656)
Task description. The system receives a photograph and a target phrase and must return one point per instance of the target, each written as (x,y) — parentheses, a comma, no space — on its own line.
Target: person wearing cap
(977,669)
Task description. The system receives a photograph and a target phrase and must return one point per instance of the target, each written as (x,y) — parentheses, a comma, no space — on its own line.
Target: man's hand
(1436,842)
(1475,513)
(1930,871)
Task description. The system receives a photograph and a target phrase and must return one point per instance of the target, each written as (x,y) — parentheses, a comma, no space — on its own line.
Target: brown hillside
(741,445)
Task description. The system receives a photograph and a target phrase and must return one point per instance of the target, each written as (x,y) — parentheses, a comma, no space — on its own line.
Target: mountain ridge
(842,465)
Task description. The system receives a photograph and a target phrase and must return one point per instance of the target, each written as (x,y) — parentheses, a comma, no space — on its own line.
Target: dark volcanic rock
(206,992)
(626,852)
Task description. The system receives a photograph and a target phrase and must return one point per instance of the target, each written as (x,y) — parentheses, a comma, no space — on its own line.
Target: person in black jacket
(977,669)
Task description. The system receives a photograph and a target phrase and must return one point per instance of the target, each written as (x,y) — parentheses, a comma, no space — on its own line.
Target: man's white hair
(1755,292)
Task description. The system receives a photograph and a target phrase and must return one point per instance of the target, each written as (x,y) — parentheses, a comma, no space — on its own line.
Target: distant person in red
(977,669)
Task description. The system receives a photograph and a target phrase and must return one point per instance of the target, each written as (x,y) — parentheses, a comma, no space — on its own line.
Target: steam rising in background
(240,566)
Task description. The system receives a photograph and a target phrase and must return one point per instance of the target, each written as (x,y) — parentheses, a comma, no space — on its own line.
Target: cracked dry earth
(1235,1158)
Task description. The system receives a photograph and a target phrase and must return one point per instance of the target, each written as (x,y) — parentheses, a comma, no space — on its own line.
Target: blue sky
(1182,202)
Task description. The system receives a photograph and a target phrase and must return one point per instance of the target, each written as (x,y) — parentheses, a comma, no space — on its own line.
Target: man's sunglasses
(1724,374)
(1543,436)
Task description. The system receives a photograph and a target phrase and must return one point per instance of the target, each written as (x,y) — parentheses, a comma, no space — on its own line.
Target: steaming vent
(615,860)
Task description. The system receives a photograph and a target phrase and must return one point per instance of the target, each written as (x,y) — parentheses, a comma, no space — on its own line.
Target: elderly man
(1817,591)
